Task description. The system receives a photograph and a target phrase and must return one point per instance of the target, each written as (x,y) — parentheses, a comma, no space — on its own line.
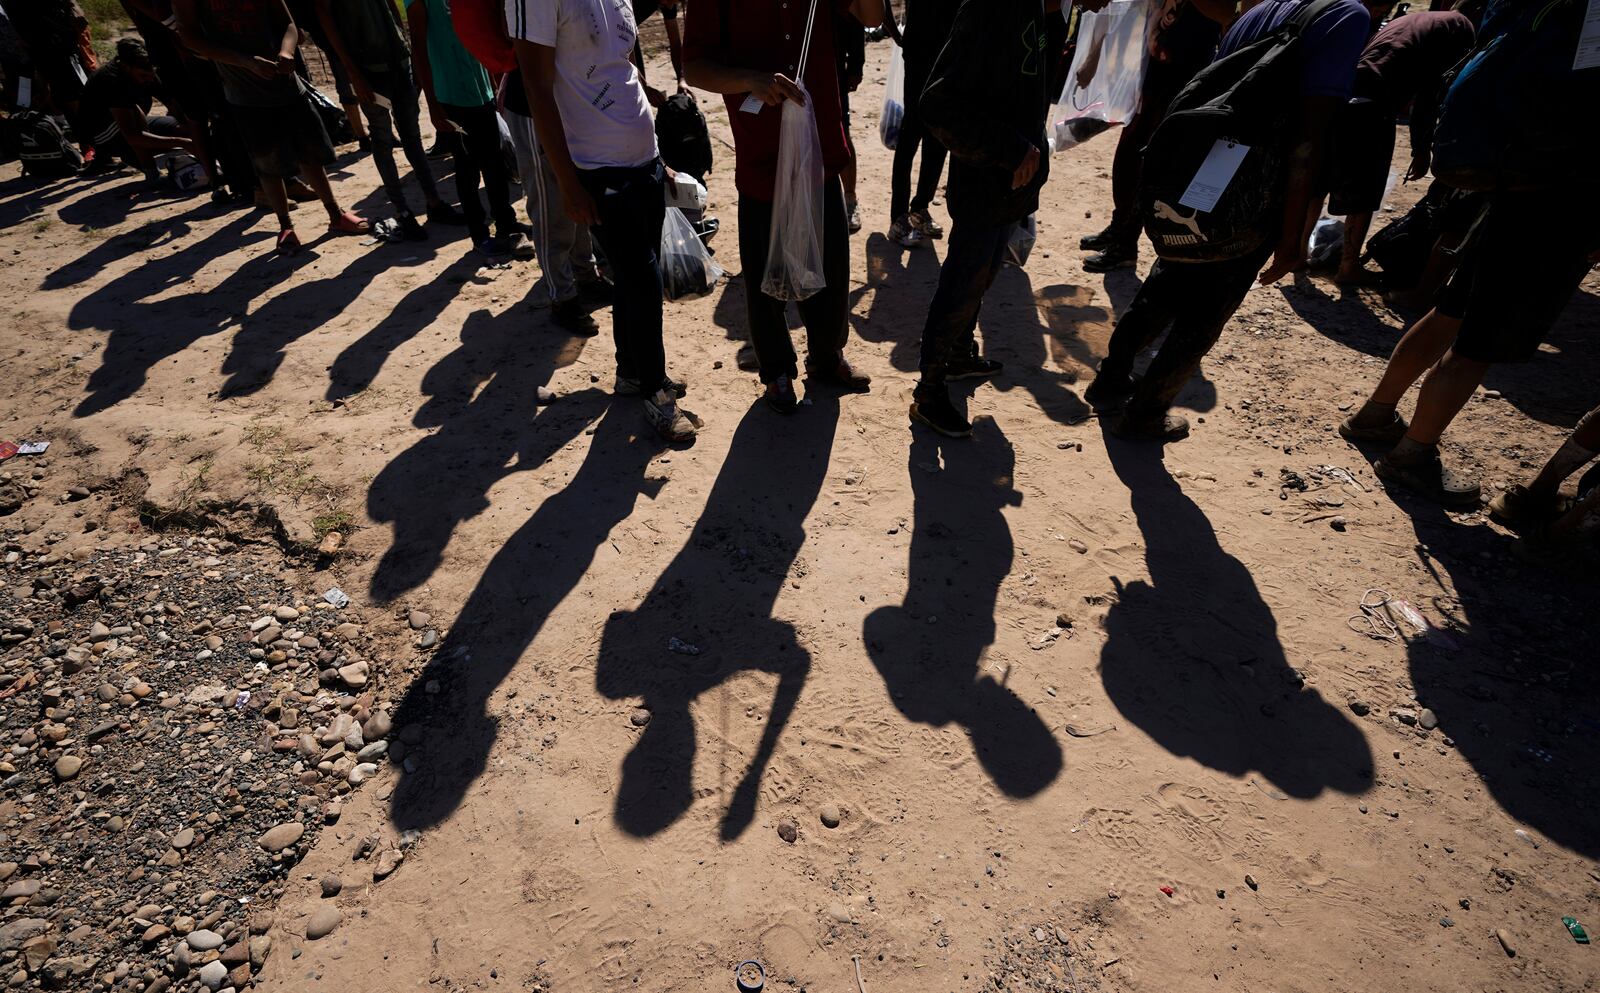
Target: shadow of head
(1192,655)
(931,650)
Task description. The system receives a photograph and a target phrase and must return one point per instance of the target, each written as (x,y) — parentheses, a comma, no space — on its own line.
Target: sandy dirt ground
(660,663)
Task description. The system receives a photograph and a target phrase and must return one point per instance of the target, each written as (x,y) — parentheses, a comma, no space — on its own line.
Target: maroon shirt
(767,35)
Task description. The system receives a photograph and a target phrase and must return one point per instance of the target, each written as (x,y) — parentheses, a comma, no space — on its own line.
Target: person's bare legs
(277,199)
(1423,344)
(339,219)
(1356,227)
(1447,388)
(1578,450)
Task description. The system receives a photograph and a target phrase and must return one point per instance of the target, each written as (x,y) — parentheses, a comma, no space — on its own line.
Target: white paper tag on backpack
(752,104)
(1215,173)
(1588,56)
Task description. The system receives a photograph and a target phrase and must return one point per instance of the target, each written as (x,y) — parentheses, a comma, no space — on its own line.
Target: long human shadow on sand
(930,648)
(530,574)
(1513,685)
(717,595)
(1192,656)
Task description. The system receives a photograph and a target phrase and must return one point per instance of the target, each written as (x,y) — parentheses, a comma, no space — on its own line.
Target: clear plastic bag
(794,252)
(894,100)
(1107,73)
(687,268)
(1023,237)
(1326,244)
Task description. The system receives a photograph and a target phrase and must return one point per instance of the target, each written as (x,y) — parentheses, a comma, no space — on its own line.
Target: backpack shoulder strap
(1304,17)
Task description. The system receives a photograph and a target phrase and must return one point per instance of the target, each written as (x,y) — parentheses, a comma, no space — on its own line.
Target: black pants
(1197,300)
(912,133)
(477,151)
(632,206)
(972,260)
(825,314)
(399,125)
(1162,82)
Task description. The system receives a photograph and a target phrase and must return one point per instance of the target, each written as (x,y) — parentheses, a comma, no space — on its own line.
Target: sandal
(288,242)
(348,223)
(1427,477)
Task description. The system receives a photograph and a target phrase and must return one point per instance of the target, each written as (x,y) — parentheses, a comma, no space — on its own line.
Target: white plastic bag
(1107,73)
(1327,242)
(794,251)
(894,100)
(1023,237)
(687,268)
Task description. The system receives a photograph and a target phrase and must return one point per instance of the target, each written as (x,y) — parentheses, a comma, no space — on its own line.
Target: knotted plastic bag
(1107,73)
(894,100)
(794,251)
(687,268)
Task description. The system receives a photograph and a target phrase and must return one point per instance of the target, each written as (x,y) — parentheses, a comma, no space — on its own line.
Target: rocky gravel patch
(177,724)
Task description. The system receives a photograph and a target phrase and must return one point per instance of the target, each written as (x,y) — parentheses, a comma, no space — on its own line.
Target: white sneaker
(903,234)
(923,222)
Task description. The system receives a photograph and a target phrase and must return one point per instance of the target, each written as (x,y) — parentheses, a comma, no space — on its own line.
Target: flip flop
(348,223)
(288,242)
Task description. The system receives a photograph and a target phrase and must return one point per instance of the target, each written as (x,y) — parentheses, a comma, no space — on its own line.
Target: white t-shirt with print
(603,108)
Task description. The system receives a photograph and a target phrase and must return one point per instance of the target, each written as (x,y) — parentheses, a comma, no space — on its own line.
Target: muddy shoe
(1387,433)
(1151,427)
(1521,510)
(670,422)
(1426,476)
(938,413)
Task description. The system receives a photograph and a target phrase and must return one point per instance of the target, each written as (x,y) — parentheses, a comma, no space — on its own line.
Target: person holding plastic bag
(1183,37)
(921,40)
(771,59)
(985,101)
(593,123)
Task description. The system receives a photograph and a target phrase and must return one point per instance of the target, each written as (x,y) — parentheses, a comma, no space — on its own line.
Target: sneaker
(903,234)
(1108,391)
(1425,475)
(1387,434)
(839,374)
(1522,511)
(853,213)
(780,395)
(939,414)
(972,367)
(410,228)
(1151,427)
(1101,240)
(1112,258)
(923,222)
(517,245)
(571,317)
(629,386)
(672,424)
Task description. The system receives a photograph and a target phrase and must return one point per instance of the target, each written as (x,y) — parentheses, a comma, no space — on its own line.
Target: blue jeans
(632,206)
(972,259)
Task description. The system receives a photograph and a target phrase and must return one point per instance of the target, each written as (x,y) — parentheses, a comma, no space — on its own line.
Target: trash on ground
(1576,930)
(337,597)
(33,448)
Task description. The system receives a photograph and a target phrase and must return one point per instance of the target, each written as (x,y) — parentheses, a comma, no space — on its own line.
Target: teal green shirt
(458,78)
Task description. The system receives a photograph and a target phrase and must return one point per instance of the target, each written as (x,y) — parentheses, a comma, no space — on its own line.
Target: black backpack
(683,136)
(42,145)
(1248,98)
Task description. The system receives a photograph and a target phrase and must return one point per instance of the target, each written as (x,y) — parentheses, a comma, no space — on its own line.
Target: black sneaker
(938,413)
(1111,258)
(1425,475)
(1108,391)
(1151,427)
(780,395)
(972,367)
(1102,240)
(571,317)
